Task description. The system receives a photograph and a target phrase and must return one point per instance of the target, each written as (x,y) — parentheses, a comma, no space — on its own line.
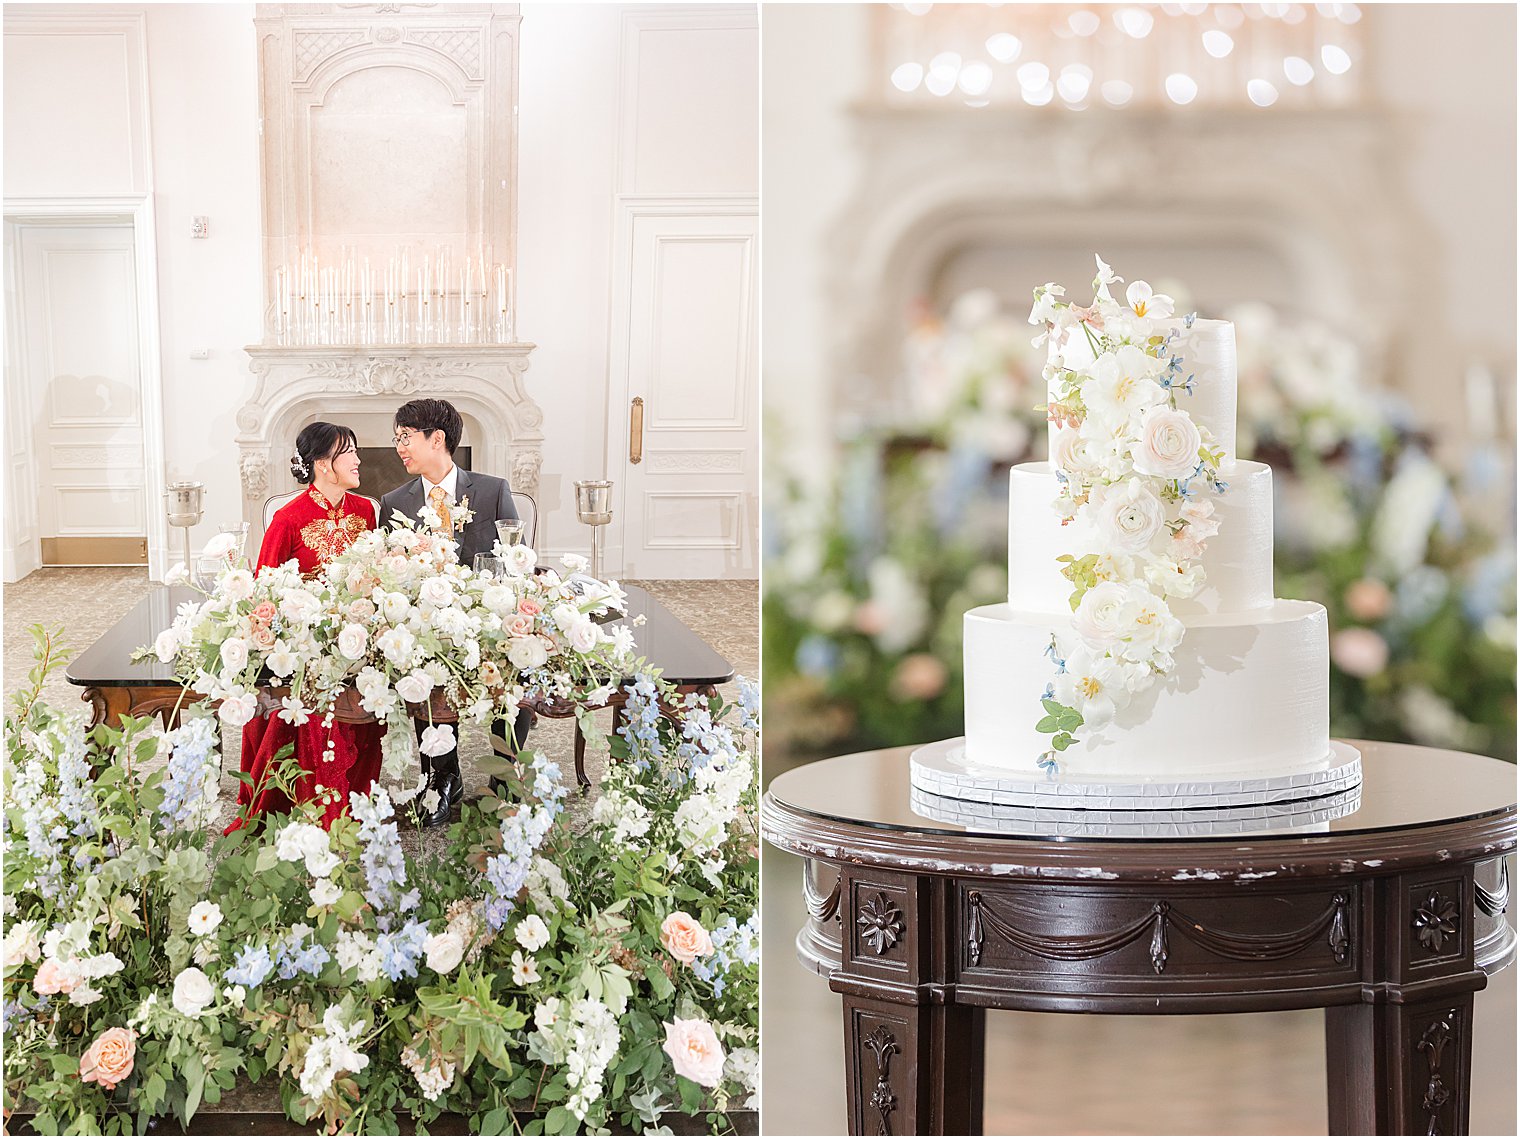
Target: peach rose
(263,638)
(109,1060)
(520,625)
(529,606)
(684,937)
(694,1051)
(264,611)
(54,978)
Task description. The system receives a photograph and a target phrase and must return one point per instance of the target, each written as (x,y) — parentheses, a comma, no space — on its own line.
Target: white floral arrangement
(399,619)
(1131,463)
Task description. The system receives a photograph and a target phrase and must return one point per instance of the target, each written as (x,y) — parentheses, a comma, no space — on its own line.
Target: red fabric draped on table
(313,532)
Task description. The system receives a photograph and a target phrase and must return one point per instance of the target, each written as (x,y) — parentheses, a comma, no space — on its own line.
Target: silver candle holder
(186,507)
(593,506)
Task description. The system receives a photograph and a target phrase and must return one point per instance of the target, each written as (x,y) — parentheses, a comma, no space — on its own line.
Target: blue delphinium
(251,966)
(732,944)
(190,774)
(382,858)
(400,949)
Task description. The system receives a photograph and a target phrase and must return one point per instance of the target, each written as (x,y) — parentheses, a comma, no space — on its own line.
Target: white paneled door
(690,406)
(82,392)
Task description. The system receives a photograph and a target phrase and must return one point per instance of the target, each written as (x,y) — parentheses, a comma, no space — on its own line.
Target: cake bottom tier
(1249,697)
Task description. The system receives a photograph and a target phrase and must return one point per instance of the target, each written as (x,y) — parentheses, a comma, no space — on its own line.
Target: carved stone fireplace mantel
(362,387)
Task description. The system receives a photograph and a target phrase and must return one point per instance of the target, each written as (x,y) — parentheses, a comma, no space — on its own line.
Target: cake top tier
(1206,385)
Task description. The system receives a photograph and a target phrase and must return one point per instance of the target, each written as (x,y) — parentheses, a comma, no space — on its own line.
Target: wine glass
(490,564)
(510,531)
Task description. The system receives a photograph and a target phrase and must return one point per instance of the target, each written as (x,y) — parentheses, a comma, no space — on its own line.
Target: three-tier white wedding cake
(1141,654)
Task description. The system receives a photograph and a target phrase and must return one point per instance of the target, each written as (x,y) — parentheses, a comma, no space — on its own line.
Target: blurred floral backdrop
(866,585)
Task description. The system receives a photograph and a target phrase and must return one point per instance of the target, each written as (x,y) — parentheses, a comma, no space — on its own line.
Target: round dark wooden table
(1389,917)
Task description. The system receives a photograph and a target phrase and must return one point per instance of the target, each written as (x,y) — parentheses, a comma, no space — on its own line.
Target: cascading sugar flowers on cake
(1136,476)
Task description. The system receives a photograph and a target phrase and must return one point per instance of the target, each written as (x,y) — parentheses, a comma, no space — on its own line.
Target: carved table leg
(1398,1069)
(913,1069)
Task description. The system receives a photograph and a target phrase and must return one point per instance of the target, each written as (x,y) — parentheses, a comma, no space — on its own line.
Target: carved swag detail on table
(1390,919)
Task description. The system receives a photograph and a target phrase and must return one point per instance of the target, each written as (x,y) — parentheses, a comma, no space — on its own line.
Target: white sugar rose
(1129,516)
(1068,450)
(192,992)
(299,607)
(1096,619)
(352,641)
(444,951)
(414,687)
(1168,444)
(235,653)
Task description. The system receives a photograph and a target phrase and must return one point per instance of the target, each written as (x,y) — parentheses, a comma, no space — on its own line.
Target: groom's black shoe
(445,781)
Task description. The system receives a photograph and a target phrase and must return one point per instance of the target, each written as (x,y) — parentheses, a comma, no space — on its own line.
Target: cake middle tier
(1237,561)
(1248,697)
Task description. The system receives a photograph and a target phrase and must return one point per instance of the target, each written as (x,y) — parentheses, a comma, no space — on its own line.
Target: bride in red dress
(313,528)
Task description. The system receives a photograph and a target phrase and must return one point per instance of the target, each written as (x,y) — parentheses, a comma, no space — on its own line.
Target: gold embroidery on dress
(328,537)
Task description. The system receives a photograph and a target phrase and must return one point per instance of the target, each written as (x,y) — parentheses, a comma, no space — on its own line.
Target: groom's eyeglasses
(404,438)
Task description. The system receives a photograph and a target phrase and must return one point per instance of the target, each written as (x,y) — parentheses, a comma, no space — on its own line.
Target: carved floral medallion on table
(1434,920)
(881,924)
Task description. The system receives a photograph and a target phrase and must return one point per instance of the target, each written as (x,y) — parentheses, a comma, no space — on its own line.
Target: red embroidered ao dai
(312,531)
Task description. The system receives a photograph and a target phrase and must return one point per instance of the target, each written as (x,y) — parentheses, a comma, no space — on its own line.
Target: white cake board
(942,769)
(1308,816)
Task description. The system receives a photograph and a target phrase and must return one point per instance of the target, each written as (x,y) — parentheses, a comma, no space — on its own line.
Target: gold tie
(441,508)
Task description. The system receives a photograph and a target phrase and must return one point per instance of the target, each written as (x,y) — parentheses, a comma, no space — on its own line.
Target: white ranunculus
(221,545)
(499,599)
(370,680)
(237,585)
(394,607)
(238,707)
(396,645)
(531,933)
(437,739)
(527,652)
(414,687)
(565,616)
(1168,444)
(444,951)
(1129,516)
(178,575)
(352,641)
(1096,619)
(520,559)
(166,645)
(192,992)
(235,653)
(574,563)
(204,918)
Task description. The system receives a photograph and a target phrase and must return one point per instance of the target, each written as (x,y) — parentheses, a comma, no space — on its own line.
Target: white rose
(370,681)
(1168,444)
(1148,625)
(325,892)
(565,616)
(444,951)
(1096,619)
(204,918)
(1068,450)
(299,607)
(414,687)
(192,992)
(395,607)
(235,653)
(166,645)
(437,592)
(221,546)
(531,933)
(583,636)
(239,707)
(352,641)
(1171,579)
(397,645)
(1129,516)
(527,652)
(437,739)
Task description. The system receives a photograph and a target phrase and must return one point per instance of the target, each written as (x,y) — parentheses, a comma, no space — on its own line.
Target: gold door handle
(636,430)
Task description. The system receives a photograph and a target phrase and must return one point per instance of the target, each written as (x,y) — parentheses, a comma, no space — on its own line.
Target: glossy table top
(1403,787)
(668,644)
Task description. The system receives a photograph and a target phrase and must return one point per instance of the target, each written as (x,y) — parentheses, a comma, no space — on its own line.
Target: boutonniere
(462,515)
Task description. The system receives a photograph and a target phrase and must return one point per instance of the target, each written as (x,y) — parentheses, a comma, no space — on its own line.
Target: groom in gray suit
(427,432)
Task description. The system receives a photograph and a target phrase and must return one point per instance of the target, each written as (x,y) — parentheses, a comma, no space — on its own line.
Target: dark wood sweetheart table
(1389,918)
(115,687)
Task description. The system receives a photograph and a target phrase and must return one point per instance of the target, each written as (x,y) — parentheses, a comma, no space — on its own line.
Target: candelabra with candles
(403,302)
(593,506)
